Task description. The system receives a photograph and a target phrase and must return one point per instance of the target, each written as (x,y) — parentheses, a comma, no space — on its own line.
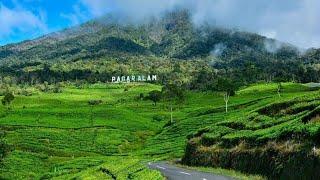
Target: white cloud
(293,21)
(84,10)
(14,21)
(269,33)
(97,7)
(135,11)
(76,17)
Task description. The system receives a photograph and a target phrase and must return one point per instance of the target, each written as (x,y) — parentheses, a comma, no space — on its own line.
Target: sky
(292,21)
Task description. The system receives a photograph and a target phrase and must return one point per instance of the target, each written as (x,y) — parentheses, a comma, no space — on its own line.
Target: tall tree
(228,87)
(154,96)
(7,99)
(173,93)
(279,88)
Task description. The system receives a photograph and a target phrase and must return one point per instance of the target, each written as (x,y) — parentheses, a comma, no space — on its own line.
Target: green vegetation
(7,99)
(154,96)
(61,119)
(3,147)
(101,130)
(81,133)
(268,136)
(169,46)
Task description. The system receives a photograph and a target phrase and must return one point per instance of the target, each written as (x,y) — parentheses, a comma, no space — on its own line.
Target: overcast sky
(292,21)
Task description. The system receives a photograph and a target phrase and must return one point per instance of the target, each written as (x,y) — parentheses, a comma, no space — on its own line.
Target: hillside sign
(133,78)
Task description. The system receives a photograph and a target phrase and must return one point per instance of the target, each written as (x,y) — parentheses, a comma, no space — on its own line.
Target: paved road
(172,172)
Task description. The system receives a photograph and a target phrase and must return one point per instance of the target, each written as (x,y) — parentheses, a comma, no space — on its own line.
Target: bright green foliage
(52,136)
(173,93)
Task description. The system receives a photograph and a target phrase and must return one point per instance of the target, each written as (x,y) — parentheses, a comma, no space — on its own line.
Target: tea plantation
(107,131)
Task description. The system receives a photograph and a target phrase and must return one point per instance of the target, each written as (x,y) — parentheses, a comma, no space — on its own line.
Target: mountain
(172,37)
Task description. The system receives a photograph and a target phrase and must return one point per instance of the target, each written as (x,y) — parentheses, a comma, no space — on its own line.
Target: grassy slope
(54,133)
(53,136)
(202,110)
(287,125)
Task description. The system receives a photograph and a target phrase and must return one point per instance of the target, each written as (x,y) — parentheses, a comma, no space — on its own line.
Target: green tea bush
(275,108)
(4,148)
(214,135)
(160,117)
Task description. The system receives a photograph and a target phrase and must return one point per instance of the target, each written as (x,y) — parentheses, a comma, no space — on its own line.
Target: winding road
(172,172)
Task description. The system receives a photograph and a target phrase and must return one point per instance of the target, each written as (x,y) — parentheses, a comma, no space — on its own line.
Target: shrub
(26,92)
(4,148)
(57,88)
(159,117)
(94,102)
(7,99)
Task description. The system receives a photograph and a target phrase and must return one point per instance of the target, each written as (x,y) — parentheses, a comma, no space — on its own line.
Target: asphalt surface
(172,172)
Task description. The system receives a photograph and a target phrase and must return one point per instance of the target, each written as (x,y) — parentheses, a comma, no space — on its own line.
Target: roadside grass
(224,172)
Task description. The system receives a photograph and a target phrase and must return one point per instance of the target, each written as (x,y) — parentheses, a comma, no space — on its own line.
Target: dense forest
(171,47)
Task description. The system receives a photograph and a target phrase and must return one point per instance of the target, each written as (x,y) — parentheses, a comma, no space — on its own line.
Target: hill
(273,136)
(61,119)
(124,47)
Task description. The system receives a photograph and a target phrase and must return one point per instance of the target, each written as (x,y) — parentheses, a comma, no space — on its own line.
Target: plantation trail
(172,172)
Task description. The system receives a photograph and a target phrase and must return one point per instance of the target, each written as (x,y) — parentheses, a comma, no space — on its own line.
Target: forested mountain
(169,46)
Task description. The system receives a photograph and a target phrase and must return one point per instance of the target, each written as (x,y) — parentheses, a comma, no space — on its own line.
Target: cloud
(16,20)
(218,49)
(97,7)
(293,21)
(85,10)
(76,17)
(272,46)
(130,11)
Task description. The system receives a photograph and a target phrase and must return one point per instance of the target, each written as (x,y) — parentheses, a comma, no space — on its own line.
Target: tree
(154,96)
(226,98)
(7,99)
(173,93)
(279,88)
(228,87)
(57,88)
(141,96)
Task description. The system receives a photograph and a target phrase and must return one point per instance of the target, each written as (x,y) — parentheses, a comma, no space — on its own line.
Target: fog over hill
(168,39)
(173,35)
(294,22)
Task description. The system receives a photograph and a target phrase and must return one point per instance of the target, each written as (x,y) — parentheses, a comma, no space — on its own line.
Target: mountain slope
(173,35)
(136,48)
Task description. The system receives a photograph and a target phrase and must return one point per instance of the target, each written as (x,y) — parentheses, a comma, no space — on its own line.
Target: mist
(291,21)
(272,46)
(218,49)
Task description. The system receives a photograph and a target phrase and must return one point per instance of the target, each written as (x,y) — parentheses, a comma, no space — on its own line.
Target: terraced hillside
(276,136)
(107,131)
(62,136)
